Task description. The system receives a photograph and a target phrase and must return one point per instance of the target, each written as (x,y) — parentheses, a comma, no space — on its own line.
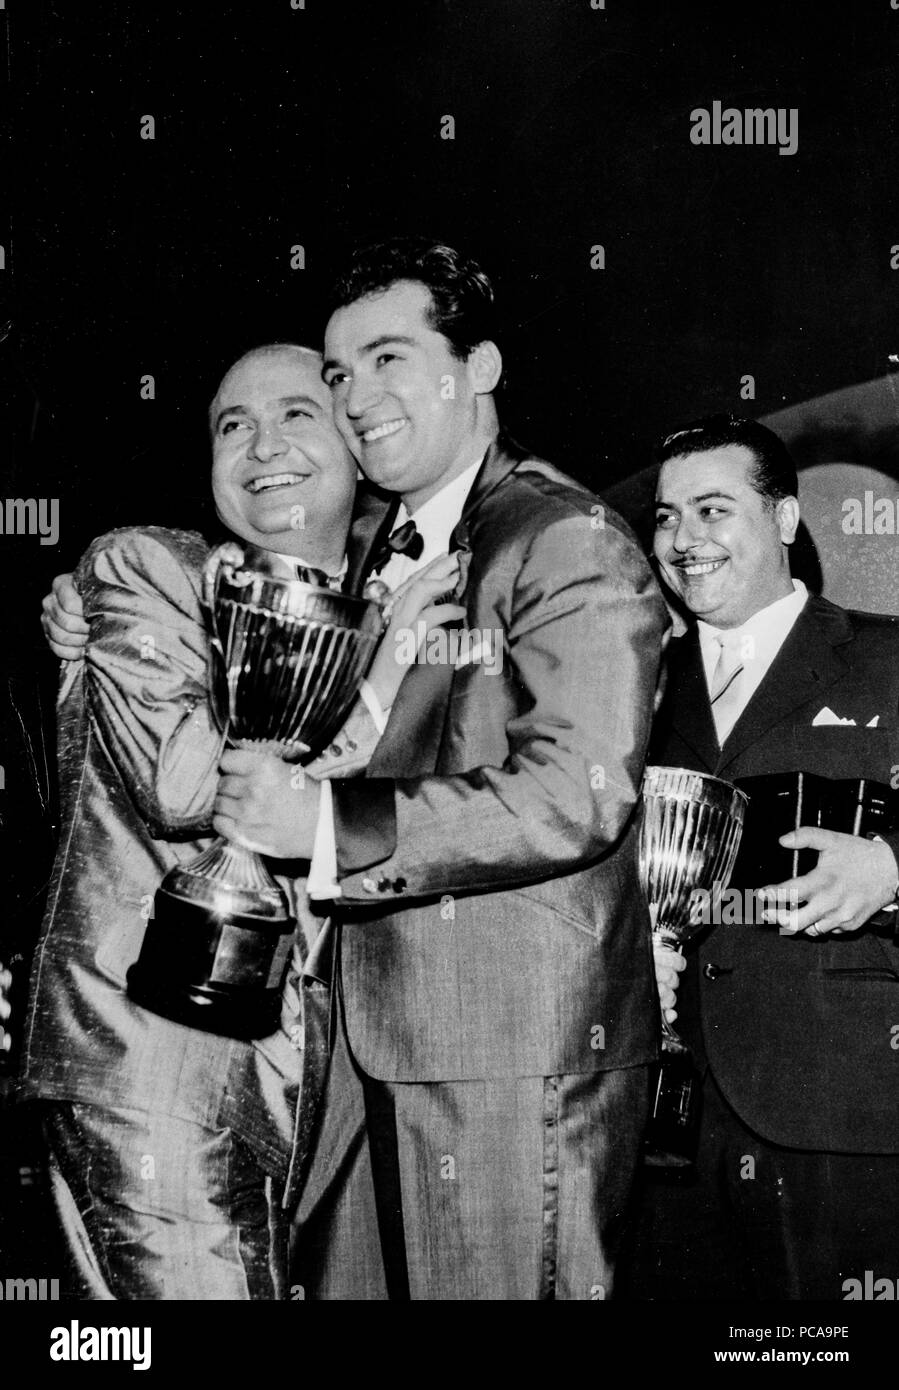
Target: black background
(322,127)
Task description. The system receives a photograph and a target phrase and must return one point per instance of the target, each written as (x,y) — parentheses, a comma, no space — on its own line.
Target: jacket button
(384,885)
(399,885)
(351,745)
(714,972)
(335,749)
(369,885)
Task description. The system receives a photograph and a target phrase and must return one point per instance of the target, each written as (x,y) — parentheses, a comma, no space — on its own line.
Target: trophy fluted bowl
(288,657)
(689,839)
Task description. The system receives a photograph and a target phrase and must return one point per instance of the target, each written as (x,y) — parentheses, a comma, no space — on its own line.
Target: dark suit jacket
(492,923)
(798,1031)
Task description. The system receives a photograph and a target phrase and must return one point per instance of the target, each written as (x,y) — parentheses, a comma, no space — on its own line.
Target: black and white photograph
(449,702)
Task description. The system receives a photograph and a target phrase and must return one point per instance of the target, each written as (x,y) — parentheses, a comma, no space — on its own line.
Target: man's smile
(386,427)
(266,482)
(694,568)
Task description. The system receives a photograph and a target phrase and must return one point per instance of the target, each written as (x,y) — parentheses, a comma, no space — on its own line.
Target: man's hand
(414,612)
(668,965)
(266,805)
(5,982)
(63,620)
(853,879)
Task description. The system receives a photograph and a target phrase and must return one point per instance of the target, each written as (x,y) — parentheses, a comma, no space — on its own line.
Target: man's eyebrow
(230,410)
(700,497)
(282,400)
(300,400)
(383,341)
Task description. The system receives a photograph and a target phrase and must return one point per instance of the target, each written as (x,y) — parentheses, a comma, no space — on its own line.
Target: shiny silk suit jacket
(491,919)
(799,1033)
(138,755)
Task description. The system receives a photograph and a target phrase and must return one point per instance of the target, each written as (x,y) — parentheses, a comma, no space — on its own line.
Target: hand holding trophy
(689,840)
(288,658)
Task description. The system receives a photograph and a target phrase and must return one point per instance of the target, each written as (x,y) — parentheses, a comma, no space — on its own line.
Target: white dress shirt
(760,639)
(435,521)
(295,562)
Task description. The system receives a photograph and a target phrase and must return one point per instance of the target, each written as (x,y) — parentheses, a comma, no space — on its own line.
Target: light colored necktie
(726,691)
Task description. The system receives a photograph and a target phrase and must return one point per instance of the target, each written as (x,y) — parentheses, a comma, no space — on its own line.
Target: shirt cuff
(322,880)
(373,705)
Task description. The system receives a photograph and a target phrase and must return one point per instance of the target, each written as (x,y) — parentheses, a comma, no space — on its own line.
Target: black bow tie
(310,575)
(405,540)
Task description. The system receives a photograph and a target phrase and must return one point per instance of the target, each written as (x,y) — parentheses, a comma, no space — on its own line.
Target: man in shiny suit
(170,1147)
(795,1021)
(494,1001)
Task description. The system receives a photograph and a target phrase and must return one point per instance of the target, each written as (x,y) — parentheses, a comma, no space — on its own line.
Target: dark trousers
(468,1190)
(760,1221)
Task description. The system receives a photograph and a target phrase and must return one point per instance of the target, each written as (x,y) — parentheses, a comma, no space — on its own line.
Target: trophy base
(673,1130)
(212,969)
(211,1010)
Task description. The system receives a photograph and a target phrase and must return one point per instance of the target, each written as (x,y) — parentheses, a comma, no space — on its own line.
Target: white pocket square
(827,716)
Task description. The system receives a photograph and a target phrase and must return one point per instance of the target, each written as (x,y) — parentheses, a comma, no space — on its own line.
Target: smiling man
(280,475)
(412,416)
(170,1147)
(495,1008)
(723,548)
(797,1174)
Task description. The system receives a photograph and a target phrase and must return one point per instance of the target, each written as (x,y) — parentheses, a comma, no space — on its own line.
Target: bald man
(170,1147)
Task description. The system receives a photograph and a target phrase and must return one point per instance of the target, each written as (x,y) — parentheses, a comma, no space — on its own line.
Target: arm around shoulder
(147,672)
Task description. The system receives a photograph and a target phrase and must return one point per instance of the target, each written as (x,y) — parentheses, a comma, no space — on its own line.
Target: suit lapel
(410,745)
(806,665)
(688,699)
(501,459)
(373,517)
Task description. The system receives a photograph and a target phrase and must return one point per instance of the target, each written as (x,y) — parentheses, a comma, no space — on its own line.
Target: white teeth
(381,431)
(704,568)
(273,480)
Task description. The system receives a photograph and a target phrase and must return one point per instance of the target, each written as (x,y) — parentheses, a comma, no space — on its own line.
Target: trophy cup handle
(230,553)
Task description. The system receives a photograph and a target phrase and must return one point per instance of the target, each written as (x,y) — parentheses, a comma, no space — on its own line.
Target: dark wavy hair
(774,473)
(462,302)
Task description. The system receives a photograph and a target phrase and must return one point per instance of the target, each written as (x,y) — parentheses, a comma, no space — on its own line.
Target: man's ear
(485,367)
(788,519)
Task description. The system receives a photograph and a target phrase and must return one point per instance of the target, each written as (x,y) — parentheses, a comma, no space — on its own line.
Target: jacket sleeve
(583,625)
(146,674)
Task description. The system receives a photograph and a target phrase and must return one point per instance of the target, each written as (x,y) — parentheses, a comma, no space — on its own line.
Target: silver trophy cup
(288,658)
(689,840)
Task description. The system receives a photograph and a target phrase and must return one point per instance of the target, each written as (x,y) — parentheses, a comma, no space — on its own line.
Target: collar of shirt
(293,560)
(760,638)
(435,521)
